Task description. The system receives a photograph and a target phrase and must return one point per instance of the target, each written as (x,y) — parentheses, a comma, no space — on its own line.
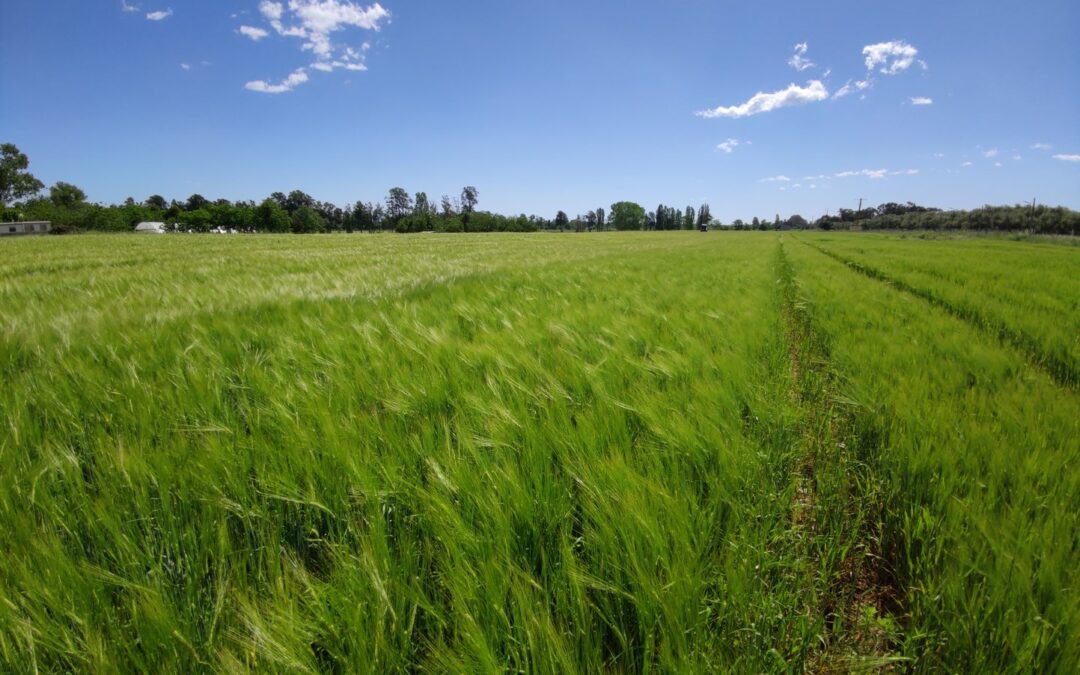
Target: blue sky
(553,105)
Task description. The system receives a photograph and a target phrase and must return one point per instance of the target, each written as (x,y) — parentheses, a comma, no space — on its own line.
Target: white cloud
(314,22)
(125,7)
(185,66)
(997,164)
(765,102)
(252,32)
(729,145)
(1067,158)
(1042,146)
(271,10)
(967,163)
(159,15)
(939,155)
(893,57)
(991,153)
(297,78)
(798,60)
(921,100)
(869,173)
(1017,158)
(775,179)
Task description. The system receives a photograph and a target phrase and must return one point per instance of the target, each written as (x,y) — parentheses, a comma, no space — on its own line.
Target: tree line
(23,197)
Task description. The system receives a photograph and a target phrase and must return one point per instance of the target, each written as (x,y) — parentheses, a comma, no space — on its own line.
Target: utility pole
(860,203)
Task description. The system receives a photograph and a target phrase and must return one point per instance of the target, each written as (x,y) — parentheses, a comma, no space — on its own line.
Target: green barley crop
(535,453)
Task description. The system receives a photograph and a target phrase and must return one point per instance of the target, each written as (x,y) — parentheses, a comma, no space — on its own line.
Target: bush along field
(636,452)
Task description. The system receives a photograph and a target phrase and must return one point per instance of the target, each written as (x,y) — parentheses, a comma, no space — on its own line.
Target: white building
(150,228)
(29,227)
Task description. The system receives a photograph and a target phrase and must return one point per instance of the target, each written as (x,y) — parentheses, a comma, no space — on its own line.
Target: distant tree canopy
(66,207)
(1018,218)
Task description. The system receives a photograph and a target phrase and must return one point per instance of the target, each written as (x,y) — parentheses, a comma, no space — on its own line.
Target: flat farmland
(625,452)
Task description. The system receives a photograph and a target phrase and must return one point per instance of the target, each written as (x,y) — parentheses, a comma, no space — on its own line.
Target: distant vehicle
(29,227)
(150,228)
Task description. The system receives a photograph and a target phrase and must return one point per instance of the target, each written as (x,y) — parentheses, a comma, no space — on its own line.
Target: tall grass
(1026,293)
(534,453)
(979,459)
(475,454)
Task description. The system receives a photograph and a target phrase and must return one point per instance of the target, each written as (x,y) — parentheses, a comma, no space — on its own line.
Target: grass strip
(839,502)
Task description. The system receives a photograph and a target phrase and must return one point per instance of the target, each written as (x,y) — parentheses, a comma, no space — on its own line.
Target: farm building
(29,227)
(150,228)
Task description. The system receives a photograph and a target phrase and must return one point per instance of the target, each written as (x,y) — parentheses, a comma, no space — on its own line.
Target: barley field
(543,453)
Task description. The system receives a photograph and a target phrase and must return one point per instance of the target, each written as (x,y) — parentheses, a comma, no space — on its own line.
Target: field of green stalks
(542,453)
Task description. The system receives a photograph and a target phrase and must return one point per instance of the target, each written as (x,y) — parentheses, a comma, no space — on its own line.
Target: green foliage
(65,195)
(16,183)
(1022,217)
(307,220)
(197,220)
(627,216)
(270,217)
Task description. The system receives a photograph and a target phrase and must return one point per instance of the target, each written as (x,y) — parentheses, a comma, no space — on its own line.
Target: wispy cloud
(185,66)
(851,87)
(252,32)
(1067,158)
(765,102)
(728,146)
(869,173)
(798,60)
(1042,146)
(991,153)
(125,7)
(298,77)
(921,100)
(159,15)
(893,57)
(775,179)
(967,163)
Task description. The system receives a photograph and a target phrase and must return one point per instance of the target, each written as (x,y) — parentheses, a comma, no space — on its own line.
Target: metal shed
(28,227)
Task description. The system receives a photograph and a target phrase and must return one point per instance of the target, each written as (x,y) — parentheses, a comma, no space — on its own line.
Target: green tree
(398,205)
(561,220)
(601,218)
(422,211)
(195,202)
(297,200)
(157,202)
(270,217)
(628,216)
(15,181)
(307,220)
(66,196)
(470,196)
(704,216)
